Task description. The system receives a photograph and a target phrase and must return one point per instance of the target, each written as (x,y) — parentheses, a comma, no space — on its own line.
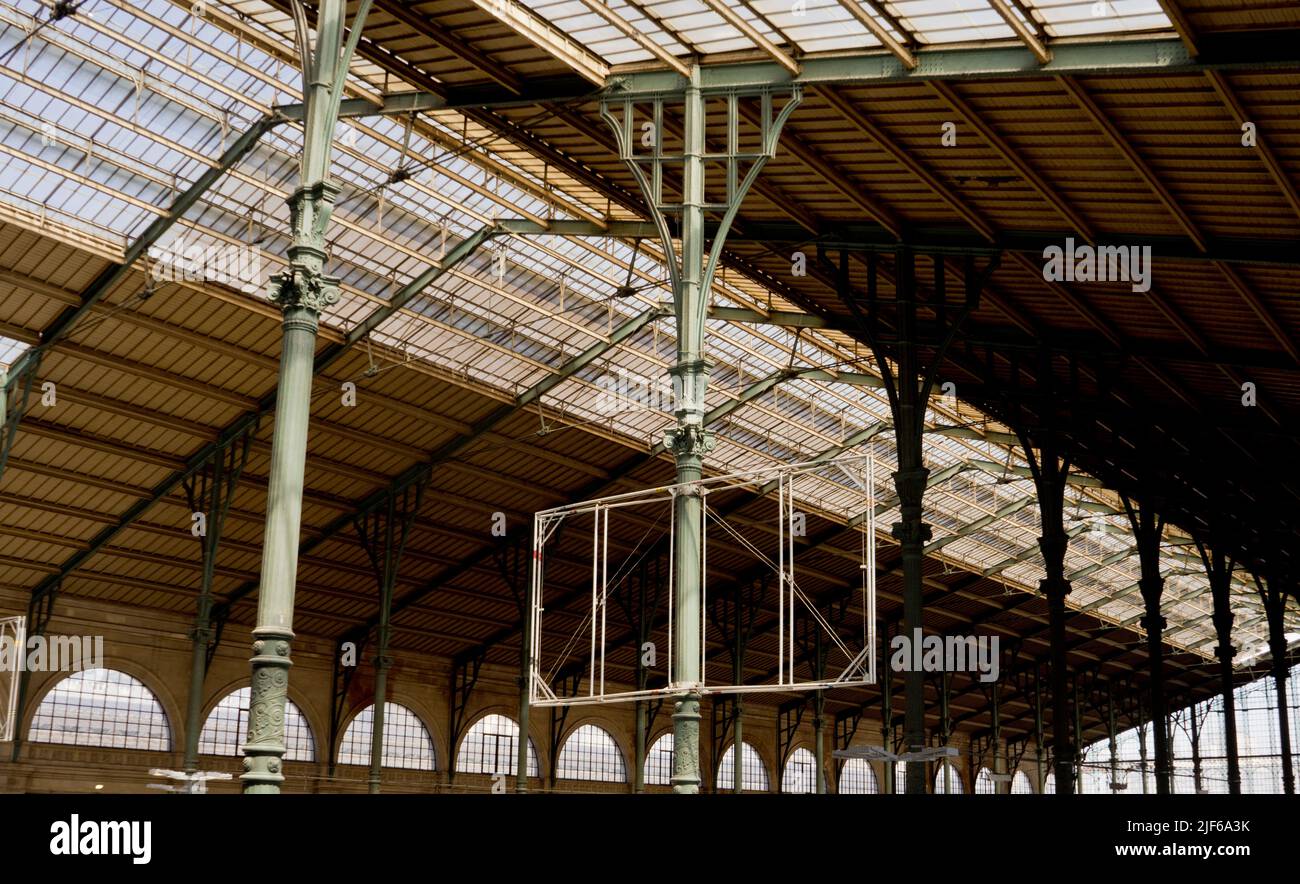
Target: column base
(264,751)
(686,746)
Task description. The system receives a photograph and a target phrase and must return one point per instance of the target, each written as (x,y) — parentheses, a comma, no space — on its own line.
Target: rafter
(641,38)
(546,37)
(737,21)
(1023,31)
(880,32)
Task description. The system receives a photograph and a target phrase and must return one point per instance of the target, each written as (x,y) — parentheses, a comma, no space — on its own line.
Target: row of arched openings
(108,708)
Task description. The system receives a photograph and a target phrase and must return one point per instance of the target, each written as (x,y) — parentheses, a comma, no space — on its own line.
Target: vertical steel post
(887,721)
(691,280)
(1142,755)
(1273,596)
(303,291)
(213,490)
(819,740)
(910,481)
(1196,749)
(1039,775)
(689,442)
(1148,527)
(1110,736)
(1219,567)
(521,757)
(202,632)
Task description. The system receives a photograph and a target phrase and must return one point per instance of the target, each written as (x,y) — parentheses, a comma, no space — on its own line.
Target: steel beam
(21,373)
(1134,57)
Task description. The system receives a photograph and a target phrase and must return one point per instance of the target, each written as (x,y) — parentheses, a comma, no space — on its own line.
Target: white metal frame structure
(843,487)
(12,629)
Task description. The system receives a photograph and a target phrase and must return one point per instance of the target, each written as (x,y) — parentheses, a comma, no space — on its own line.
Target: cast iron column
(1274,597)
(1219,568)
(303,291)
(1050,477)
(1148,528)
(691,281)
(910,481)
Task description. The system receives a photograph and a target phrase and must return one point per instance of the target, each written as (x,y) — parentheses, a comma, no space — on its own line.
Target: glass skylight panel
(819,25)
(702,28)
(951,21)
(1071,18)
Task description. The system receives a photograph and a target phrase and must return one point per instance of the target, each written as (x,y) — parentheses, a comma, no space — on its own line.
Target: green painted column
(738,726)
(689,442)
(302,292)
(639,749)
(382,663)
(521,757)
(819,740)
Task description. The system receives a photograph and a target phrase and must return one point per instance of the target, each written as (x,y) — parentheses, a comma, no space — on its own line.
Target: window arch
(226,728)
(984,784)
(800,774)
(1020,784)
(753,775)
(492,747)
(857,778)
(1049,784)
(407,743)
(590,753)
(659,762)
(947,780)
(102,707)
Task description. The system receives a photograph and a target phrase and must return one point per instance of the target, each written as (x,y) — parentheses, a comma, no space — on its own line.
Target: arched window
(1020,784)
(407,742)
(857,778)
(800,774)
(947,780)
(226,730)
(1049,784)
(659,762)
(492,747)
(590,753)
(984,784)
(102,707)
(753,776)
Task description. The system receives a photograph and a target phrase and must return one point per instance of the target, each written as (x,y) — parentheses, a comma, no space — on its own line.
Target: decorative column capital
(1153,622)
(1054,587)
(304,285)
(690,440)
(911,532)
